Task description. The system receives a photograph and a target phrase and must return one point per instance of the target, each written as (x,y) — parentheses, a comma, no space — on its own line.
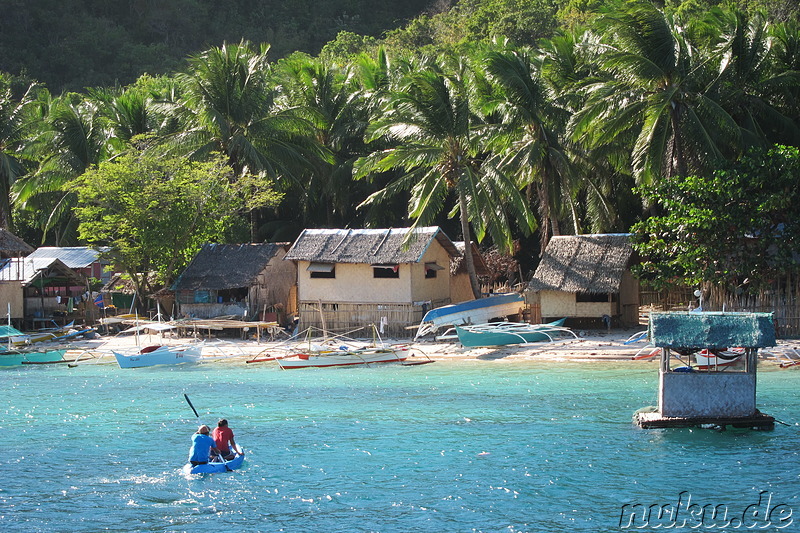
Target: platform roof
(711,330)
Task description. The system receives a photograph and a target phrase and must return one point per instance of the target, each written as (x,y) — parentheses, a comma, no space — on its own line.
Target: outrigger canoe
(477,311)
(505,333)
(217,467)
(350,357)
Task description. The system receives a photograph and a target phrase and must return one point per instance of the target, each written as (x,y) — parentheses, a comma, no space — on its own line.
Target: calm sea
(452,446)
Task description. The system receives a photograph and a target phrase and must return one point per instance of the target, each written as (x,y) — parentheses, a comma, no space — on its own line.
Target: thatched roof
(459,265)
(711,330)
(227,266)
(27,270)
(370,246)
(122,283)
(583,263)
(13,246)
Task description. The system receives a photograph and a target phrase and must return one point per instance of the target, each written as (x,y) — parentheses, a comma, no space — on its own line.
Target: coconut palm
(440,149)
(753,80)
(333,103)
(14,127)
(74,137)
(656,91)
(537,153)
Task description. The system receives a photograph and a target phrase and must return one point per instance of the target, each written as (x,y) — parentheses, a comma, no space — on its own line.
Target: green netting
(712,330)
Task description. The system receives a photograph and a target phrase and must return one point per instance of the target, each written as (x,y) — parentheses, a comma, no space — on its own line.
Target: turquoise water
(452,446)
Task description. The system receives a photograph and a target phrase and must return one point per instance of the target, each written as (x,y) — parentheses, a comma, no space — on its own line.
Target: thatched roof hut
(592,264)
(13,246)
(227,266)
(237,279)
(368,246)
(588,277)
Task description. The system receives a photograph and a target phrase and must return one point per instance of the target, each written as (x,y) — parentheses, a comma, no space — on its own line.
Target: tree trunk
(473,276)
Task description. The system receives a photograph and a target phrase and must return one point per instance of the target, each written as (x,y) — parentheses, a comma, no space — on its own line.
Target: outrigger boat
(216,467)
(478,311)
(347,357)
(160,355)
(504,333)
(16,357)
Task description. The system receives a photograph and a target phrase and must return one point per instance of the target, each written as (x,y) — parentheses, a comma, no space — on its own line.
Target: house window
(322,270)
(385,271)
(587,297)
(431,269)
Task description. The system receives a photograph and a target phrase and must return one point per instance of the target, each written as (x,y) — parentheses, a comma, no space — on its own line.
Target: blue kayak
(215,468)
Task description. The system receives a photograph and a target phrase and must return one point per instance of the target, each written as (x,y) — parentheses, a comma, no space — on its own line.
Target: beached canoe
(505,333)
(472,312)
(216,468)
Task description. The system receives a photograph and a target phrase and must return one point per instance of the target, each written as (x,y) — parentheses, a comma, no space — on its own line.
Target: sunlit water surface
(452,446)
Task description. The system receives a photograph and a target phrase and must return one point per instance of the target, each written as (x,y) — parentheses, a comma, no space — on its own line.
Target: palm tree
(75,137)
(335,106)
(442,152)
(753,80)
(537,153)
(13,129)
(228,104)
(656,91)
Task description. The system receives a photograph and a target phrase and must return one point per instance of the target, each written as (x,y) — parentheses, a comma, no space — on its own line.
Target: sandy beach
(589,346)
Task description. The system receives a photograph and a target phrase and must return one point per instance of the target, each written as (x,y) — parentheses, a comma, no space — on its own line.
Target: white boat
(160,355)
(478,311)
(349,357)
(710,360)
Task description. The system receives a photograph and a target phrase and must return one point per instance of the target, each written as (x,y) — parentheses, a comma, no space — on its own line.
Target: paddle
(192,406)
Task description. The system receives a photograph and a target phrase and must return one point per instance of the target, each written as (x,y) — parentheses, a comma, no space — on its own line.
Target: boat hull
(14,358)
(707,360)
(344,358)
(471,312)
(215,468)
(160,355)
(475,337)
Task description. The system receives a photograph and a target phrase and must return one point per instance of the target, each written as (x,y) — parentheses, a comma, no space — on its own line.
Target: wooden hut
(587,277)
(39,290)
(243,280)
(717,394)
(350,279)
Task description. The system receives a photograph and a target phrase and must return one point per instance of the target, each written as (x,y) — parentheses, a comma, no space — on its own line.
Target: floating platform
(653,420)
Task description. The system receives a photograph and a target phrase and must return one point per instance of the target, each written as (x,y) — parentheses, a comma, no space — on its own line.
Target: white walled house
(354,278)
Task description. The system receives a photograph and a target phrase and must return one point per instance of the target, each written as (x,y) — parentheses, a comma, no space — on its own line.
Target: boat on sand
(505,333)
(478,311)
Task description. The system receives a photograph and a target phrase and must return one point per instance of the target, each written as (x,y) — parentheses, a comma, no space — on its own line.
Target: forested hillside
(503,121)
(73,44)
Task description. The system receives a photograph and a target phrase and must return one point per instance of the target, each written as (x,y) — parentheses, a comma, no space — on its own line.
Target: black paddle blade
(190,405)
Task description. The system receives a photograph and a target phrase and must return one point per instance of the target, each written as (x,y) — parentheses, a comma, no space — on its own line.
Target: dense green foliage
(489,118)
(155,213)
(73,44)
(738,227)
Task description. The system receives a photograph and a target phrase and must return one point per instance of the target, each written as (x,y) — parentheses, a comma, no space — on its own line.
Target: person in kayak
(223,438)
(202,447)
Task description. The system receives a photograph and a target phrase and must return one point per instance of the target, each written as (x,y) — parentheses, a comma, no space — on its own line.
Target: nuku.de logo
(686,514)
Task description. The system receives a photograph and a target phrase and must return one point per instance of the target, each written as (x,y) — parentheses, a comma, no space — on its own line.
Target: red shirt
(221,437)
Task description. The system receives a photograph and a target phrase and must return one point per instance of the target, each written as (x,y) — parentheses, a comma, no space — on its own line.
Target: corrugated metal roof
(683,329)
(26,269)
(370,246)
(72,256)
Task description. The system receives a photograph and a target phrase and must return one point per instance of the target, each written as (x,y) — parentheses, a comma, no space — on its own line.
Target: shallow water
(453,446)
